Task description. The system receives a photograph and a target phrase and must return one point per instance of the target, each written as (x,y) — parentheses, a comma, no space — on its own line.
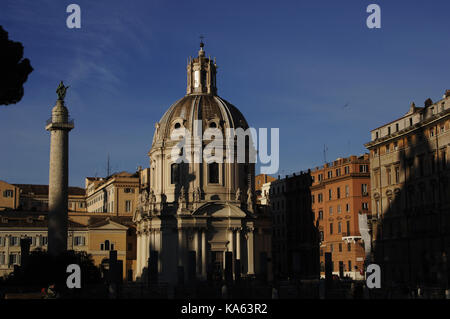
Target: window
(377,204)
(14,241)
(331,229)
(44,241)
(396,127)
(338,192)
(128,206)
(339,230)
(410,121)
(340,247)
(320,176)
(79,241)
(2,258)
(432,132)
(330,174)
(349,247)
(363,168)
(347,191)
(388,176)
(365,206)
(107,246)
(364,189)
(174,173)
(321,236)
(8,193)
(213,173)
(339,209)
(2,241)
(348,228)
(320,198)
(347,169)
(330,193)
(347,207)
(338,172)
(389,130)
(397,174)
(349,265)
(331,210)
(13,259)
(320,215)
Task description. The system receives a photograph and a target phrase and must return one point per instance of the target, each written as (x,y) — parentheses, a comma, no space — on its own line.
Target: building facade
(115,194)
(34,197)
(196,213)
(411,195)
(295,240)
(340,192)
(260,180)
(9,196)
(96,235)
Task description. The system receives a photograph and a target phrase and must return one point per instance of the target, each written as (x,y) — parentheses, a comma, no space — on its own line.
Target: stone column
(59,127)
(204,252)
(180,247)
(138,254)
(250,268)
(158,247)
(146,248)
(238,244)
(197,251)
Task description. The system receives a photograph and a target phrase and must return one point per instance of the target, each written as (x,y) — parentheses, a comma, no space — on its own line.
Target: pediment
(223,210)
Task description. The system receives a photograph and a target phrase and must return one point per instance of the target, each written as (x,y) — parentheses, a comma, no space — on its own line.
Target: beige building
(116,194)
(411,195)
(35,198)
(96,235)
(9,196)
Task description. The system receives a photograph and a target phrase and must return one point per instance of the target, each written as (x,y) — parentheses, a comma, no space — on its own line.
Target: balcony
(69,121)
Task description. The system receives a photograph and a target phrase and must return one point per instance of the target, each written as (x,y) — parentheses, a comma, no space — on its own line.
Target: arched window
(174,173)
(213,173)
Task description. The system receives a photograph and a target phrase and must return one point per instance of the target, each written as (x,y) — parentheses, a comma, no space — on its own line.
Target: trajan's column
(59,126)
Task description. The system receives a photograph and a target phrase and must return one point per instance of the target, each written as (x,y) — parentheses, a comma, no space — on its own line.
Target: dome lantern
(201,74)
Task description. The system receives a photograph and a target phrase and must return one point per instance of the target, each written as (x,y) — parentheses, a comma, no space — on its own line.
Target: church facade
(197,219)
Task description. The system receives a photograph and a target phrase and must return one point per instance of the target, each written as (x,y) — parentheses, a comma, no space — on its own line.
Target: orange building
(340,191)
(260,180)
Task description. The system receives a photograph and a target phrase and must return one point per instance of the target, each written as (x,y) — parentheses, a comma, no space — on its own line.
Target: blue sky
(287,64)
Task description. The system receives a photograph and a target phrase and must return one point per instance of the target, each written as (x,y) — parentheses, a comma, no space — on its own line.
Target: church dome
(201,102)
(212,110)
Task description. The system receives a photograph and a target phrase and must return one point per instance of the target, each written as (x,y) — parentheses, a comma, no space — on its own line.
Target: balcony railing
(69,121)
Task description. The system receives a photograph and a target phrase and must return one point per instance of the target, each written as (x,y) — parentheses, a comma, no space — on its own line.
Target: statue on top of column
(61,91)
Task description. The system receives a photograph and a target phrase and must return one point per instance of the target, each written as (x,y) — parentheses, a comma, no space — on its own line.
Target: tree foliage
(14,70)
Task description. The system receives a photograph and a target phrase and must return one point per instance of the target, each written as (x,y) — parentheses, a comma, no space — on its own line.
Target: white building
(196,212)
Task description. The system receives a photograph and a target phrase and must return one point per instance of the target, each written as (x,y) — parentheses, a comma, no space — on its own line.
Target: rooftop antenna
(325,149)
